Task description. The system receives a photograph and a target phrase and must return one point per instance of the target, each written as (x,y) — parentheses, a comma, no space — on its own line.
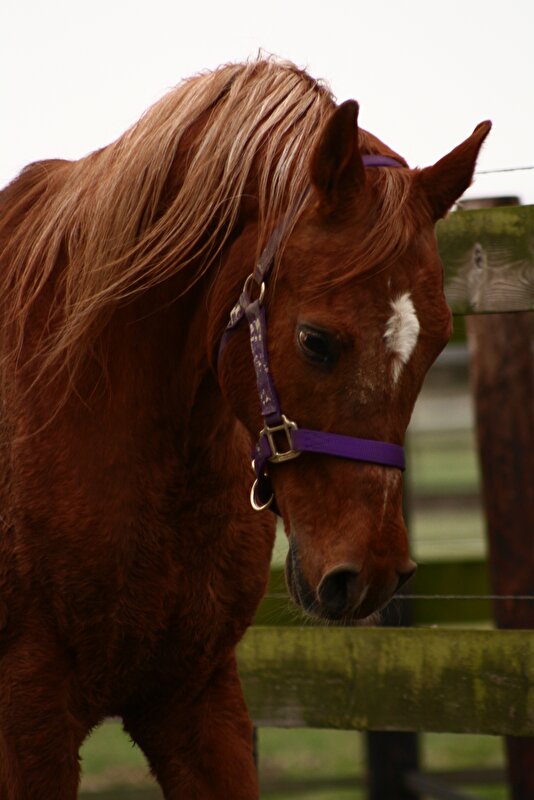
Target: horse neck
(159,356)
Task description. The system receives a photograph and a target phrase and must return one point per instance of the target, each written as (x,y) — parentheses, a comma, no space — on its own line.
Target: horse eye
(317,346)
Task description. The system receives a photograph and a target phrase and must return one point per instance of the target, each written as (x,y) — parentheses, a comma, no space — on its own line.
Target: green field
(114,769)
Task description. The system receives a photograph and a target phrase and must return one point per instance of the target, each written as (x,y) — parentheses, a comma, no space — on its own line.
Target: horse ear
(448,179)
(336,167)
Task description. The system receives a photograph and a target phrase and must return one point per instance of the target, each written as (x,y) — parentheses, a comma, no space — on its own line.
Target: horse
(131,561)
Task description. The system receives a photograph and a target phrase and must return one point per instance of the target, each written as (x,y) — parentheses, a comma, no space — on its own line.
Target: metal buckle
(287,426)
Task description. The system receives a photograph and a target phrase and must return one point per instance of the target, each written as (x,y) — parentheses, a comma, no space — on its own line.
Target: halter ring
(253,502)
(246,287)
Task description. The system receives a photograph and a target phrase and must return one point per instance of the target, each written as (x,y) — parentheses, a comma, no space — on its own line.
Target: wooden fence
(432,679)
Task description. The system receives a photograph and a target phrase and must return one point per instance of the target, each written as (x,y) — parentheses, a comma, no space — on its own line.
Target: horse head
(356,314)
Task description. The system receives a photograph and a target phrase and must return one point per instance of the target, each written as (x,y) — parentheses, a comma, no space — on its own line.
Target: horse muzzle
(345,593)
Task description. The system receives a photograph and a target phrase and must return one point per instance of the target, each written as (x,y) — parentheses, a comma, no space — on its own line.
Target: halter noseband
(295,440)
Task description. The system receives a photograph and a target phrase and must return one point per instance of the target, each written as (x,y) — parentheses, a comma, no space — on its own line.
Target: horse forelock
(378,226)
(393,220)
(161,199)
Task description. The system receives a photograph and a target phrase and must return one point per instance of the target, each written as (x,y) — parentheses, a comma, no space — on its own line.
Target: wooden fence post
(502,374)
(393,755)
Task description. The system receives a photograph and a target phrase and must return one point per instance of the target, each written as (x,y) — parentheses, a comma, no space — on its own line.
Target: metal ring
(247,284)
(258,506)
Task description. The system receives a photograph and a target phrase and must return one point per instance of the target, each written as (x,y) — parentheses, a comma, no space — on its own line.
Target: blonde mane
(107,222)
(92,234)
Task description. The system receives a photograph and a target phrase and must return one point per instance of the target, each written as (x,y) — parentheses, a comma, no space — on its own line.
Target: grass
(110,760)
(114,769)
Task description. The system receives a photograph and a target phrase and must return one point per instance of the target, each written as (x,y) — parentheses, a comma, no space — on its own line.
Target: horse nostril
(337,589)
(404,577)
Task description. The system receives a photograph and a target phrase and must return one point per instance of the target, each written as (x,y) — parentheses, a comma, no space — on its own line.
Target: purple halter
(296,440)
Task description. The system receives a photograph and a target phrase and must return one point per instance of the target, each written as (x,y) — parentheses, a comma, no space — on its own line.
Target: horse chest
(166,618)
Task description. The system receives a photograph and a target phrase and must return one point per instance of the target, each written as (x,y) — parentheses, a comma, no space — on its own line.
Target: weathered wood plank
(489,259)
(390,679)
(454,576)
(502,376)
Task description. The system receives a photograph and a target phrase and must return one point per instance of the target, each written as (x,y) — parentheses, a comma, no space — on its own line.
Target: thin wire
(282,596)
(464,597)
(504,169)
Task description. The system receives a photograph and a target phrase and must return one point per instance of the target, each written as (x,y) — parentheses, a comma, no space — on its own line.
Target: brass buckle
(286,426)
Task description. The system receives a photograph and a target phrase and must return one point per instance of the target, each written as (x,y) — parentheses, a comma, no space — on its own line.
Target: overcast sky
(75,74)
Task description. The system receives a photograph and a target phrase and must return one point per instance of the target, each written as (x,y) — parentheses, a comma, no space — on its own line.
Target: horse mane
(91,234)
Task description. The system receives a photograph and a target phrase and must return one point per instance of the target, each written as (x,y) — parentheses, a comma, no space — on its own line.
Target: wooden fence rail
(403,679)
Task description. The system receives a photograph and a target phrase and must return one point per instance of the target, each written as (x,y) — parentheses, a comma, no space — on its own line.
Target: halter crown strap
(266,260)
(277,427)
(380,161)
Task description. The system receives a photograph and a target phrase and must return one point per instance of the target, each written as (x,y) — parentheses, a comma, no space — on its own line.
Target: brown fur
(130,561)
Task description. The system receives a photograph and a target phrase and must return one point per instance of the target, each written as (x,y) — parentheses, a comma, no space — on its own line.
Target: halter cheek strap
(281,439)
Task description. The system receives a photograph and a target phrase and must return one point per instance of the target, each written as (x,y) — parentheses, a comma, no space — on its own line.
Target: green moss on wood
(390,679)
(488,256)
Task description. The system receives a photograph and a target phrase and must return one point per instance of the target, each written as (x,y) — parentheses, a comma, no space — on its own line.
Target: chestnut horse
(131,562)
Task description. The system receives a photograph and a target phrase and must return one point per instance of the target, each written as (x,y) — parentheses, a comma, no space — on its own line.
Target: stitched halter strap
(281,439)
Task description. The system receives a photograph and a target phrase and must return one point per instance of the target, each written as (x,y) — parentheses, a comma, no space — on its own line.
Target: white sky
(74,74)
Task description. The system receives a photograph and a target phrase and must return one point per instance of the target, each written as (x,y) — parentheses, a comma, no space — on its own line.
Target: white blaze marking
(401,333)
